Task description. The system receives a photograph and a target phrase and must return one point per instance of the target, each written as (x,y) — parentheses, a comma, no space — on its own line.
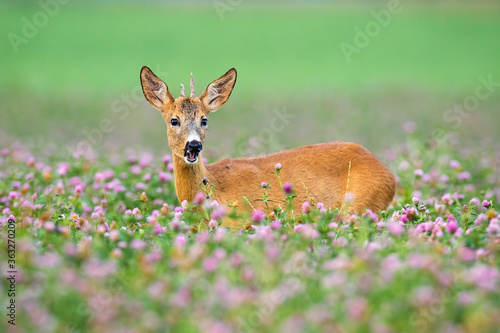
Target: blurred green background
(67,65)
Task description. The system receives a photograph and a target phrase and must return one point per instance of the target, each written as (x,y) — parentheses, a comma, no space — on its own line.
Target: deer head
(186,117)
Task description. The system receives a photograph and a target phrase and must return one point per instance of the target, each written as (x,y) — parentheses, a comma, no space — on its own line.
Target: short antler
(192,87)
(193,95)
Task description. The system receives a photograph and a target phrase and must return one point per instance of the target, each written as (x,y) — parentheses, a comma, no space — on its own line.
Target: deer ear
(219,91)
(154,89)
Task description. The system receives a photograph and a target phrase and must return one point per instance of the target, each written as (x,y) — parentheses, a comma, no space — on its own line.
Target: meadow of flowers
(102,245)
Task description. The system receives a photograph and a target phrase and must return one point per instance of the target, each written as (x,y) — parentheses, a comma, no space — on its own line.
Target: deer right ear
(154,89)
(219,91)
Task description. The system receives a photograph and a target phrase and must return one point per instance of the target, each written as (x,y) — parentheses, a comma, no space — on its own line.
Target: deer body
(320,173)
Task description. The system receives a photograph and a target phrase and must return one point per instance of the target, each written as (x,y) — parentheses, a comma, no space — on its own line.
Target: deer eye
(174,122)
(204,122)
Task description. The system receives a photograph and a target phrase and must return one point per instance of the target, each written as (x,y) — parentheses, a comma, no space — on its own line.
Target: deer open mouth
(191,156)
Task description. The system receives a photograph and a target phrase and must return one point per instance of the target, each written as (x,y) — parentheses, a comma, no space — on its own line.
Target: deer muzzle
(191,151)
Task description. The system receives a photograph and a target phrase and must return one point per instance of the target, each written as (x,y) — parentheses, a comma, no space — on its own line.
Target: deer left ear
(218,92)
(154,89)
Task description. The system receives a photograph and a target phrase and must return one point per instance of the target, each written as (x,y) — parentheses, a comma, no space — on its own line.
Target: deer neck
(188,177)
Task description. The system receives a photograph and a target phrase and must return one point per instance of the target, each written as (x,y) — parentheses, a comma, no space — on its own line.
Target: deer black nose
(194,146)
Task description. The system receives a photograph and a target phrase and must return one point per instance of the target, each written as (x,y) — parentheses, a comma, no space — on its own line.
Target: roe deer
(322,172)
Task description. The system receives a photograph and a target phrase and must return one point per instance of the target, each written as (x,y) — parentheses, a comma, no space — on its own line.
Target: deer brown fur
(320,173)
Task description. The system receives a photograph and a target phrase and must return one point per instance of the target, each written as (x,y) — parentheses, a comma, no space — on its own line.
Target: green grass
(99,48)
(88,56)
